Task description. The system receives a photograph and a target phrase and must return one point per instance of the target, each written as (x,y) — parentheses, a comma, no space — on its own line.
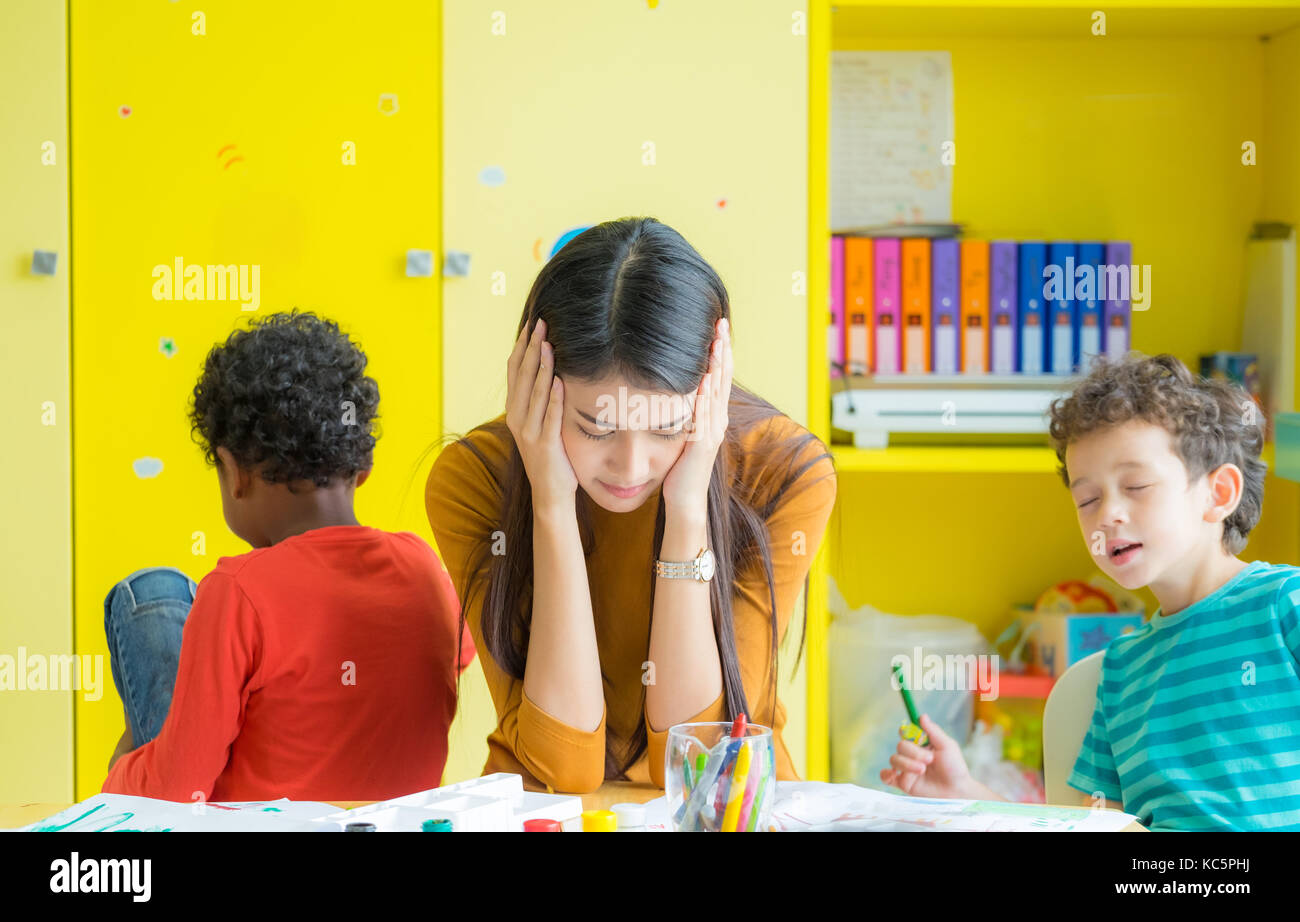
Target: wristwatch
(700,569)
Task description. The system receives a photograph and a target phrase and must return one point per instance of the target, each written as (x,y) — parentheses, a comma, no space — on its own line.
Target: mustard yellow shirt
(463,501)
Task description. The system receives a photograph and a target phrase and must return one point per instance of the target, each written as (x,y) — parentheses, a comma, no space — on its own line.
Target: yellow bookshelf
(1136,134)
(964,459)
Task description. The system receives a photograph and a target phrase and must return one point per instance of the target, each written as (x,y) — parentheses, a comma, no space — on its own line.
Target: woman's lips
(623,493)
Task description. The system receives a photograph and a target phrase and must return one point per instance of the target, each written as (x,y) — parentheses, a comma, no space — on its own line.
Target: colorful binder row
(976,306)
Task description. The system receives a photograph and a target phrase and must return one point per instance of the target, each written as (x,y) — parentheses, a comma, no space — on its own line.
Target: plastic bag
(865,709)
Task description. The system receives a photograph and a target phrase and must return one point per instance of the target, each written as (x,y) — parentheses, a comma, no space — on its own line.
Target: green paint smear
(111,821)
(56,828)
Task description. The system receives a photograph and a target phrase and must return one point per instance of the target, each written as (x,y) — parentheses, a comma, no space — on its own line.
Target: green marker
(915,718)
(769,765)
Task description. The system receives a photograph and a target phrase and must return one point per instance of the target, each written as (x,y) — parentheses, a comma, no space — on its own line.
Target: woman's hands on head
(534,414)
(687,484)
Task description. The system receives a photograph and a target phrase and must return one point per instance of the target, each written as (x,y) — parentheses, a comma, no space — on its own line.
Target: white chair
(1066,718)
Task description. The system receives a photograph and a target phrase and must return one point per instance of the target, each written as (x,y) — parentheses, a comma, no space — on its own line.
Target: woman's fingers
(540,396)
(720,364)
(521,395)
(726,359)
(701,419)
(718,381)
(517,353)
(715,368)
(554,412)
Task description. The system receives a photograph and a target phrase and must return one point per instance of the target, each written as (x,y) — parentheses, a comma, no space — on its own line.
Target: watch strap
(680,569)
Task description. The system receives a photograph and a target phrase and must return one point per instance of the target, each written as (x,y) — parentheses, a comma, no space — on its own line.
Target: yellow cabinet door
(36,535)
(299,143)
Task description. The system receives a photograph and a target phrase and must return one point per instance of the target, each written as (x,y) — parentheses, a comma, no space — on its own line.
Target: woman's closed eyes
(600,438)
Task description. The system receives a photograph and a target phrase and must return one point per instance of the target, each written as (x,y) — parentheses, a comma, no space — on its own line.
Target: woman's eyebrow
(591,419)
(594,421)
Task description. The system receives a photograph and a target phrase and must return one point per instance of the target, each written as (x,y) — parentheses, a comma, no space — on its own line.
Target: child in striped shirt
(1196,724)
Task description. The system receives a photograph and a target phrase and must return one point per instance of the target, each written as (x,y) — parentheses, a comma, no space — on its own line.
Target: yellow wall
(36,539)
(1278,161)
(563,102)
(1069,138)
(1281,202)
(288,89)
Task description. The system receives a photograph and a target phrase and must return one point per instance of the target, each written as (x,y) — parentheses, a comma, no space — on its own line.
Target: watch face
(706,565)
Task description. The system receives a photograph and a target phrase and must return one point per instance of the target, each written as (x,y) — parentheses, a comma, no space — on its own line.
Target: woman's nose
(631,460)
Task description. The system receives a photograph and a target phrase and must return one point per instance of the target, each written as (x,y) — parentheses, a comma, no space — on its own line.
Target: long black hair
(631,298)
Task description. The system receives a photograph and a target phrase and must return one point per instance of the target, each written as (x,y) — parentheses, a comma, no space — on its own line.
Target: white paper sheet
(891,115)
(801,806)
(815,806)
(490,803)
(120,813)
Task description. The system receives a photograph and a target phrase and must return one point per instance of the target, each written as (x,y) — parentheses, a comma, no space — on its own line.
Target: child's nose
(1114,510)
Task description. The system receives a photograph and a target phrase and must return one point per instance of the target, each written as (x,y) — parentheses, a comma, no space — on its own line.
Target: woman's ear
(362,477)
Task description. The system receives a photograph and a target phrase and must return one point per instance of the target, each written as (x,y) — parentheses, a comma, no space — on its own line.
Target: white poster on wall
(892,138)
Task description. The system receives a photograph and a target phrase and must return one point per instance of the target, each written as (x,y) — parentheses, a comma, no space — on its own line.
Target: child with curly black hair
(1196,721)
(321,665)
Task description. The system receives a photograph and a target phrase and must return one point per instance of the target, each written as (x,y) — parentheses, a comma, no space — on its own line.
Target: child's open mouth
(1121,553)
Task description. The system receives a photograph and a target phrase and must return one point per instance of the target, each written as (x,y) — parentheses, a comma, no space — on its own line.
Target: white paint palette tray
(492,803)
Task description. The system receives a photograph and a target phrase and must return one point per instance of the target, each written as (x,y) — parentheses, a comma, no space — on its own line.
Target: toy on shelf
(1017,713)
(1069,621)
(1097,594)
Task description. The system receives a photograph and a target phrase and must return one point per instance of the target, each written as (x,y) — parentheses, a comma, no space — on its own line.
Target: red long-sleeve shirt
(322,667)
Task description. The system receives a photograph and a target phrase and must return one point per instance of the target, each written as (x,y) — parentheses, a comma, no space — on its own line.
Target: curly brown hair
(1211,421)
(290,397)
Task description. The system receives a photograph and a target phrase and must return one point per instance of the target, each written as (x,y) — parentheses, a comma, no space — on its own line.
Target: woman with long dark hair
(628,539)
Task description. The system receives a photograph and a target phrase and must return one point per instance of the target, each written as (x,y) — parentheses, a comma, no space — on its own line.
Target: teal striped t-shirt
(1197,719)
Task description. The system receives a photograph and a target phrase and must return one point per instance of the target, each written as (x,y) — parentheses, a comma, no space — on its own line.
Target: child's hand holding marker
(938,770)
(929,762)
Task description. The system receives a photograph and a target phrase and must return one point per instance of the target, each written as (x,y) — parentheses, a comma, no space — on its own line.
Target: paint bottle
(543,826)
(631,817)
(360,827)
(599,821)
(436,825)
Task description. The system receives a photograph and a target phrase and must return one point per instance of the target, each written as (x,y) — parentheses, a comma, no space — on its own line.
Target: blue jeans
(144,615)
